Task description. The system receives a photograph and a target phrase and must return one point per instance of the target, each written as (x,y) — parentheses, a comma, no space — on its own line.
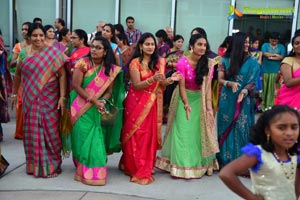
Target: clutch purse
(110,117)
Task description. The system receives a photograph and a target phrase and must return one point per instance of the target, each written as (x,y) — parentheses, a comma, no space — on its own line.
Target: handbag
(110,117)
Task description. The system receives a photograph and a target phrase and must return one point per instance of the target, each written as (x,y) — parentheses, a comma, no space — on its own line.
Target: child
(271,155)
(255,52)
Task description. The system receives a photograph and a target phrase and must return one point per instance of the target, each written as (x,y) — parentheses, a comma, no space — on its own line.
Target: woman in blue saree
(238,73)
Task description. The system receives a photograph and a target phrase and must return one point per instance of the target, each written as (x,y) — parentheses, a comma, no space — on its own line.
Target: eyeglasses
(96,47)
(73,37)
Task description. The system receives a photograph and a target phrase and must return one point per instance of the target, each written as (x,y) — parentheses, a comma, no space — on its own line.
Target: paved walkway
(16,184)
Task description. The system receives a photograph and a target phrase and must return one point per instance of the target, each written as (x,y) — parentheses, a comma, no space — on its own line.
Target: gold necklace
(95,71)
(287,175)
(145,65)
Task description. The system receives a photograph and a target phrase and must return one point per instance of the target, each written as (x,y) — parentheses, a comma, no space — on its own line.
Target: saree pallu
(183,154)
(239,132)
(19,109)
(290,95)
(141,133)
(19,116)
(215,87)
(88,137)
(65,127)
(112,132)
(268,91)
(40,115)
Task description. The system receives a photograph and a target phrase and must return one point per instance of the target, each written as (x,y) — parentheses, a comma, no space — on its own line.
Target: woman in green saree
(95,79)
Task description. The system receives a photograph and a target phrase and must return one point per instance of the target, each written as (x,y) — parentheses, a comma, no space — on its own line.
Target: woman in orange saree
(142,119)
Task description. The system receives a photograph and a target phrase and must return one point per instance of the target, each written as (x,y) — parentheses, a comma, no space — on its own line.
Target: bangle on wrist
(13,95)
(89,99)
(148,82)
(225,83)
(170,81)
(245,91)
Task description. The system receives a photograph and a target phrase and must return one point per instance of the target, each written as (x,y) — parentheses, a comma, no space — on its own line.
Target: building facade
(218,17)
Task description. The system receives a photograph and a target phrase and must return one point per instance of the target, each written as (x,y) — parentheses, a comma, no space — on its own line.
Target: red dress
(142,122)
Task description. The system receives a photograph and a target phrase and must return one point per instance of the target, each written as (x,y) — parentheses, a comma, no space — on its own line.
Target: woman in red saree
(289,92)
(44,88)
(142,120)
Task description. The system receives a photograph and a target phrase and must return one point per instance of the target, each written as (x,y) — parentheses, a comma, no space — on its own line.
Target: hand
(158,76)
(14,101)
(234,86)
(100,105)
(61,105)
(176,76)
(240,97)
(187,109)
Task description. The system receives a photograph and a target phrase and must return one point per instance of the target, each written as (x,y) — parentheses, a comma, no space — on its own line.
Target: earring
(141,51)
(268,139)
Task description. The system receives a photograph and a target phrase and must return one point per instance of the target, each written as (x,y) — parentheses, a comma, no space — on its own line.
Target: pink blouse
(189,74)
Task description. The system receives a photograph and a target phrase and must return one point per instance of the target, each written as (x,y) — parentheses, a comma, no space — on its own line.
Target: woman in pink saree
(142,120)
(289,92)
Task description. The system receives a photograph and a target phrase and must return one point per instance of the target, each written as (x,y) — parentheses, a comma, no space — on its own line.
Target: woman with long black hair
(190,142)
(238,73)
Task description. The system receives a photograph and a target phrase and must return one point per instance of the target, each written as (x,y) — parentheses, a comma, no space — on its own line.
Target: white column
(173,14)
(57,9)
(11,25)
(295,16)
(117,10)
(230,25)
(69,6)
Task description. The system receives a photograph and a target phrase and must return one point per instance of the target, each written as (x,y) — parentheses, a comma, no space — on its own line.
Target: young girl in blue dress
(271,157)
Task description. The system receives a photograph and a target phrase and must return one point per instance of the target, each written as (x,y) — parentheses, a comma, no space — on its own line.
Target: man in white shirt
(99,29)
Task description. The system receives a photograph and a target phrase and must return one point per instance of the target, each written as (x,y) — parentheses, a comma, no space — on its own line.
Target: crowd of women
(94,98)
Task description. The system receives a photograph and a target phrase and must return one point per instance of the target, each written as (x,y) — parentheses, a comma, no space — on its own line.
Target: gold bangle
(147,81)
(170,81)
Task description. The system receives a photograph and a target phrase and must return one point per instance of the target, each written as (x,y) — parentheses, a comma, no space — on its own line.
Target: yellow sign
(266,11)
